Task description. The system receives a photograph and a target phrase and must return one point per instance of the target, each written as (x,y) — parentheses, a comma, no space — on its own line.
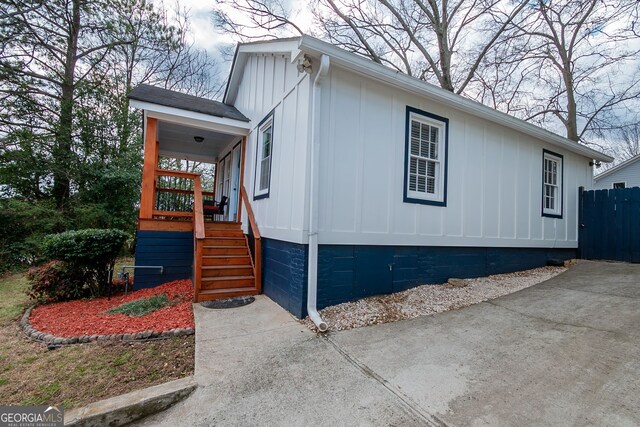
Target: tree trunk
(571,122)
(62,153)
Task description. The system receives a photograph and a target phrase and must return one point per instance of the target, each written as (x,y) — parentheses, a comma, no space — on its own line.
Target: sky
(204,32)
(202,28)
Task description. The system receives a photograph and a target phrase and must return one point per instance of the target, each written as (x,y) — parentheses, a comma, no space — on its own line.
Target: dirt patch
(80,374)
(430,299)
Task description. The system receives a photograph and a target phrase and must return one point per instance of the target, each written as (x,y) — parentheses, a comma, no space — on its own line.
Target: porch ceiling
(178,141)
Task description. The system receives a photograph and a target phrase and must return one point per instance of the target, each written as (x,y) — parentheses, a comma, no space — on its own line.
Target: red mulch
(89,317)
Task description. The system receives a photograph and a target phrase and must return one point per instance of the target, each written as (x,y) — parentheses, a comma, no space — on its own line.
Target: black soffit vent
(228,302)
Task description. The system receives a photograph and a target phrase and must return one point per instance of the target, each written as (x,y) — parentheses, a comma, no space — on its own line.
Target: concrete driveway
(564,352)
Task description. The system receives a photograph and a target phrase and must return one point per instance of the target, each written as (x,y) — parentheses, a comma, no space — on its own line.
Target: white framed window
(425,158)
(552,184)
(621,184)
(263,158)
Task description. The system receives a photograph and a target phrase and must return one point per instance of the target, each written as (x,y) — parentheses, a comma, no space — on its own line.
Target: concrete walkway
(564,352)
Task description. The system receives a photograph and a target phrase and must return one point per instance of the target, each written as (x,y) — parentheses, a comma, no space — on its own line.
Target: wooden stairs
(225,264)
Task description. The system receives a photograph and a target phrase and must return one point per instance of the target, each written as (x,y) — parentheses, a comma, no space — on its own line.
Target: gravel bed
(430,299)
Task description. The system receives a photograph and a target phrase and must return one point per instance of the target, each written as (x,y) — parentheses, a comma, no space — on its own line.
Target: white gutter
(312,272)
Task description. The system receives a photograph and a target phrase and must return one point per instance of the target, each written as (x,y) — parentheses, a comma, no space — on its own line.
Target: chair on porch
(213,209)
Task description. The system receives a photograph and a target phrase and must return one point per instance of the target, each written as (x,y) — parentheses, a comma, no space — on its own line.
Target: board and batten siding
(629,174)
(494,189)
(272,83)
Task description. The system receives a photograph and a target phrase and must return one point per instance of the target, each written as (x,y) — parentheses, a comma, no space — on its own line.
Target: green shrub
(55,281)
(90,253)
(85,246)
(142,306)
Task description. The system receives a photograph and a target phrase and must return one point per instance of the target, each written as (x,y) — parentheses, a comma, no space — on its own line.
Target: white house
(362,180)
(623,175)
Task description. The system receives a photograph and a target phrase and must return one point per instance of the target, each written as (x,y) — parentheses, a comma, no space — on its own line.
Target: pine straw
(429,299)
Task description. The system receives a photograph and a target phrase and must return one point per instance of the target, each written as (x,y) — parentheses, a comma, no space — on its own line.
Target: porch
(190,221)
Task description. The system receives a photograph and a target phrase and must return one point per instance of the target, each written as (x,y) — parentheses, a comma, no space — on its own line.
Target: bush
(89,253)
(90,246)
(55,281)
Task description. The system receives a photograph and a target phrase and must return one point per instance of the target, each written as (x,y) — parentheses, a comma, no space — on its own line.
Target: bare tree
(187,68)
(255,19)
(629,145)
(441,41)
(161,54)
(584,65)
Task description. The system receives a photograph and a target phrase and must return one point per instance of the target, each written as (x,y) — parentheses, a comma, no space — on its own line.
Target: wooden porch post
(215,178)
(243,148)
(147,198)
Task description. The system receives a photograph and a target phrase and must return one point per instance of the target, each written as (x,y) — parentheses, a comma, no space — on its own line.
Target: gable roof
(171,98)
(361,65)
(617,167)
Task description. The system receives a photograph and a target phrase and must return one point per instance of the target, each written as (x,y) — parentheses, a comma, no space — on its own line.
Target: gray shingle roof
(170,98)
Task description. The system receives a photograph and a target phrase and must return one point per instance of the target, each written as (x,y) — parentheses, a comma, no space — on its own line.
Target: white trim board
(193,119)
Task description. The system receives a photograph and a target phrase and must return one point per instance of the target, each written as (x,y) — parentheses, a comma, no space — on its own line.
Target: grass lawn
(79,374)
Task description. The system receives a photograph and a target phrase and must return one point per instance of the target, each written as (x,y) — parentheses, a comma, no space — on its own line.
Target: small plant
(55,281)
(142,306)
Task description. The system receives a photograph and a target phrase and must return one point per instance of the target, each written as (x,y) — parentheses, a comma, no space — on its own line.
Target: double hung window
(426,162)
(263,161)
(552,184)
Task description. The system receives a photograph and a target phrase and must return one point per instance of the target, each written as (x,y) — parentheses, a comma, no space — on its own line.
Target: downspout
(312,272)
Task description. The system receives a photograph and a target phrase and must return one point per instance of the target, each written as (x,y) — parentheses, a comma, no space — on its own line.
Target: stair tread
(225,256)
(227,290)
(222,247)
(224,267)
(213,279)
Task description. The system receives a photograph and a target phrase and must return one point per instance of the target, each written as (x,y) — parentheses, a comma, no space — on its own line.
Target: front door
(234,194)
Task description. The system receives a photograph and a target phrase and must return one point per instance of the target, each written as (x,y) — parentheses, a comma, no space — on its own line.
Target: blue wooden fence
(610,224)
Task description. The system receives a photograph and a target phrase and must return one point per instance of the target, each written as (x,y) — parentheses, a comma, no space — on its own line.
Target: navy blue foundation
(171,249)
(351,272)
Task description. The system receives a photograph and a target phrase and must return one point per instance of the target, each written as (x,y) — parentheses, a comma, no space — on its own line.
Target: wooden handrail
(198,235)
(252,219)
(198,214)
(177,174)
(257,247)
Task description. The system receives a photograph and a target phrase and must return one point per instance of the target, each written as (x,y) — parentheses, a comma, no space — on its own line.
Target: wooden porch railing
(191,210)
(174,194)
(257,243)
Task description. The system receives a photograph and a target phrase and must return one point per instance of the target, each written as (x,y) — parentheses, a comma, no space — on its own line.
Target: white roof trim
(274,47)
(622,165)
(364,66)
(380,72)
(193,119)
